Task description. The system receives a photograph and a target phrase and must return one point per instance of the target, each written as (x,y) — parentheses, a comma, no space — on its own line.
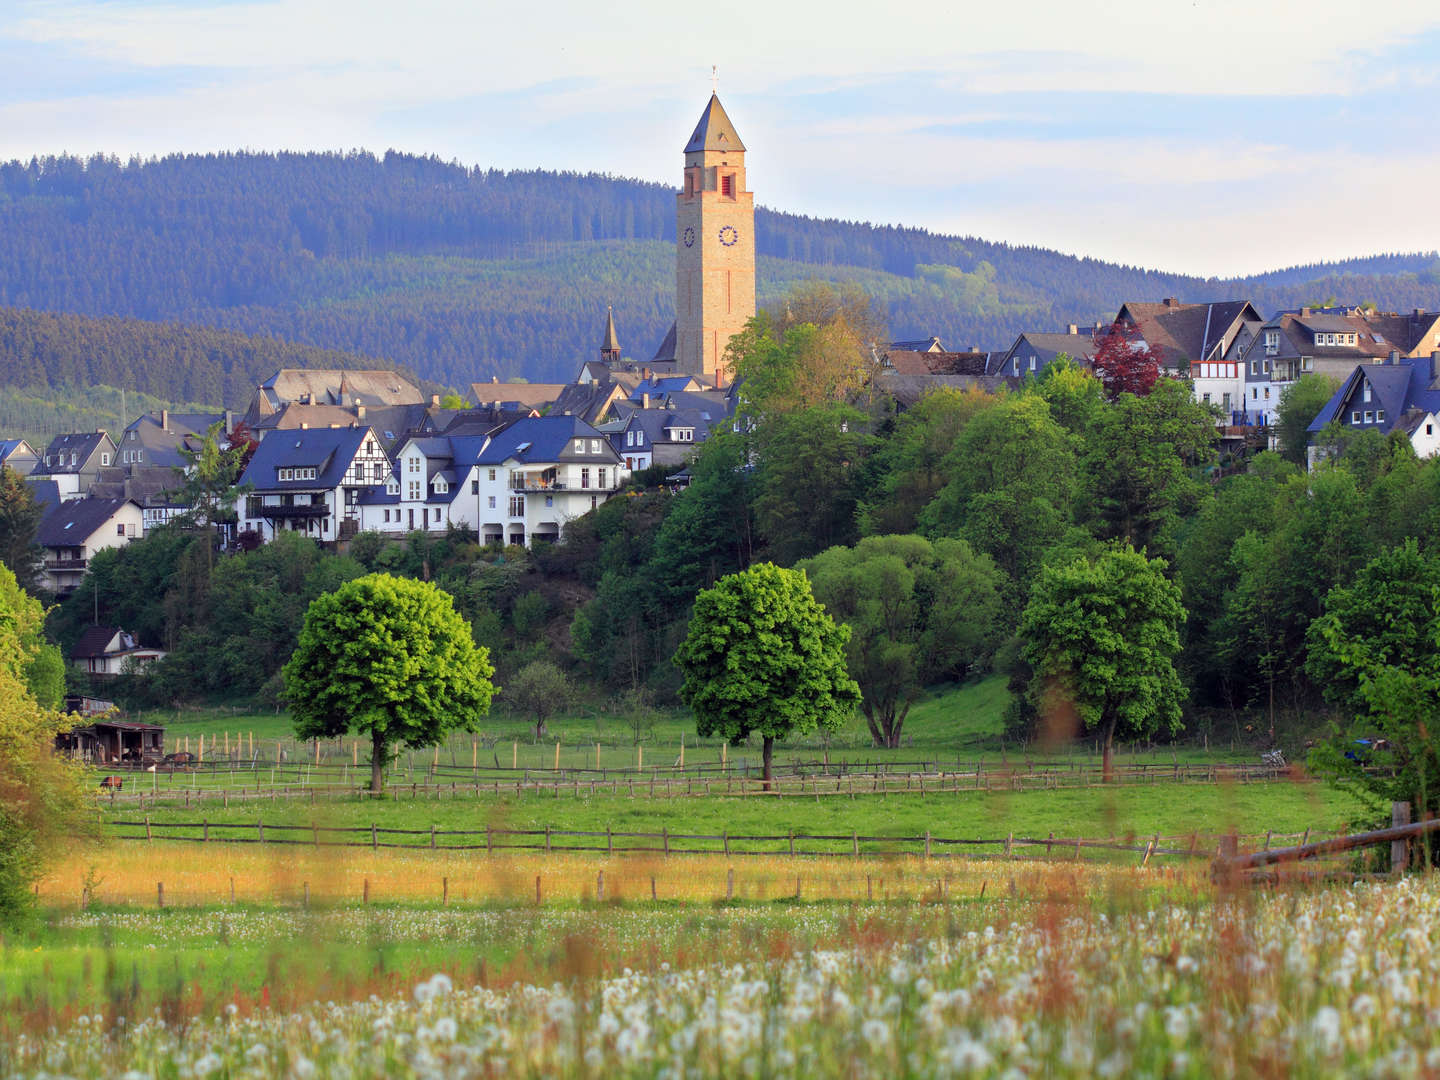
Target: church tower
(610,341)
(715,261)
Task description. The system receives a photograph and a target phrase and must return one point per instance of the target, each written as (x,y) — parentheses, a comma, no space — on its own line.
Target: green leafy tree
(1374,651)
(1012,488)
(391,657)
(1300,403)
(452,400)
(20,518)
(1101,636)
(1141,464)
(916,611)
(762,655)
(808,479)
(908,467)
(42,795)
(206,485)
(542,690)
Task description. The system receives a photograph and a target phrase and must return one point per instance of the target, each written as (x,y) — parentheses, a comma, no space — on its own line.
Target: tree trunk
(1107,755)
(377,763)
(539,730)
(767,754)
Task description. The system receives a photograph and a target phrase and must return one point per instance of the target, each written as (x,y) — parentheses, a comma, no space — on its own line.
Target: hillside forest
(459,274)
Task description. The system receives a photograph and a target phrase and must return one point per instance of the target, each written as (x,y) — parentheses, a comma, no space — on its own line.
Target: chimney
(304,425)
(164,419)
(1395,357)
(975,348)
(434,401)
(229,422)
(1073,329)
(359,412)
(1172,301)
(644,401)
(1304,312)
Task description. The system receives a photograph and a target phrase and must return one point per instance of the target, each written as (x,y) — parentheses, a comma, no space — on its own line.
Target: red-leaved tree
(1124,361)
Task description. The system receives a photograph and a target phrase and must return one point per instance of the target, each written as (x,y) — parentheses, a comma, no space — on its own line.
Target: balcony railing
(310,510)
(60,566)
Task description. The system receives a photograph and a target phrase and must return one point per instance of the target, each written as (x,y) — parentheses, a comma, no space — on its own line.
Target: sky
(1215,137)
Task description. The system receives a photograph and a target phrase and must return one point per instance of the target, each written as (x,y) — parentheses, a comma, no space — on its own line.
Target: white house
(72,532)
(108,650)
(517,485)
(311,481)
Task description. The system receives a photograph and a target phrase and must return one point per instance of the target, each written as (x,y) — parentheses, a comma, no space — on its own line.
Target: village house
(311,481)
(1033,352)
(1400,394)
(17,454)
(108,650)
(73,461)
(74,530)
(1196,340)
(522,483)
(328,386)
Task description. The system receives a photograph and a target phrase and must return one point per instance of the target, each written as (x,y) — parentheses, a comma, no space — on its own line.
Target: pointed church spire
(715,131)
(610,343)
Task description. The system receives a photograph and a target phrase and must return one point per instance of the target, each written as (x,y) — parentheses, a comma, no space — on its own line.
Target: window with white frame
(413,490)
(1355,417)
(1272,342)
(584,478)
(1380,416)
(1369,417)
(594,446)
(1365,392)
(1307,363)
(602,479)
(579,446)
(492,476)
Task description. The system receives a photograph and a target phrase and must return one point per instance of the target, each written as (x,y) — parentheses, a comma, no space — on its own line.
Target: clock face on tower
(728,235)
(689,237)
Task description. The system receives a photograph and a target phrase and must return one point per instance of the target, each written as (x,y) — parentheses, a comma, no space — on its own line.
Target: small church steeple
(610,343)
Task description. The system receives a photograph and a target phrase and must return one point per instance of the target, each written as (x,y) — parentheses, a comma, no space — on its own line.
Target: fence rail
(614,842)
(314,783)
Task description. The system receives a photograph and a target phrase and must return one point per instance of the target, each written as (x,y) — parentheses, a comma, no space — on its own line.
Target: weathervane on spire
(714,80)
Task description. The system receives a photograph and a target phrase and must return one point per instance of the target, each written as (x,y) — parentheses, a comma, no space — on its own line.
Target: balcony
(290,513)
(537,485)
(65,566)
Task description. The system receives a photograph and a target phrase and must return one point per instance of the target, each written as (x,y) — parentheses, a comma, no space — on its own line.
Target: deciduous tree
(1102,636)
(540,689)
(1124,361)
(1300,403)
(20,518)
(916,611)
(391,657)
(762,655)
(1374,650)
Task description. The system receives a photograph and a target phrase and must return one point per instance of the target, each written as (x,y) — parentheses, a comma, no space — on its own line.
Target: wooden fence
(611,842)
(312,782)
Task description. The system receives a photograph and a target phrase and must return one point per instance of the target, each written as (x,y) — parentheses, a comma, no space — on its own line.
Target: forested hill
(462,273)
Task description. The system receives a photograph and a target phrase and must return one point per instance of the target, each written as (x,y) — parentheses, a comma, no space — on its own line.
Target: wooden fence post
(232,890)
(444,892)
(791,834)
(365,894)
(147,828)
(260,826)
(652,887)
(665,839)
(432,837)
(730,884)
(854,843)
(374,836)
(1399,849)
(927,844)
(600,886)
(725,839)
(609,840)
(547,839)
(307,894)
(160,894)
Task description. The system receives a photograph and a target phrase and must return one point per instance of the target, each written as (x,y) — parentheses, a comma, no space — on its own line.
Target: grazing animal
(112,783)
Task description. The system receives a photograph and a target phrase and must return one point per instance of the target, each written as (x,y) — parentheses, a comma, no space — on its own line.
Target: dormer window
(1272,342)
(579,446)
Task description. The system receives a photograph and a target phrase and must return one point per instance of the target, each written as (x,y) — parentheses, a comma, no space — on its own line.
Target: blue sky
(1206,136)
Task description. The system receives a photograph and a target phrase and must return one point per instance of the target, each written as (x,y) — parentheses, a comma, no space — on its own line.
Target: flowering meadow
(1294,982)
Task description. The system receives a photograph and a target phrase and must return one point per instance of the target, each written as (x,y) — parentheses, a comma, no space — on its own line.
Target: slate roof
(665,354)
(46,492)
(714,131)
(908,389)
(82,444)
(533,395)
(1180,333)
(71,524)
(920,362)
(16,448)
(1397,388)
(162,445)
(1045,347)
(917,345)
(539,440)
(328,450)
(94,640)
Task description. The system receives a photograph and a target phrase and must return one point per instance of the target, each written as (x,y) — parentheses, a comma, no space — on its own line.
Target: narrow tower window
(727,184)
